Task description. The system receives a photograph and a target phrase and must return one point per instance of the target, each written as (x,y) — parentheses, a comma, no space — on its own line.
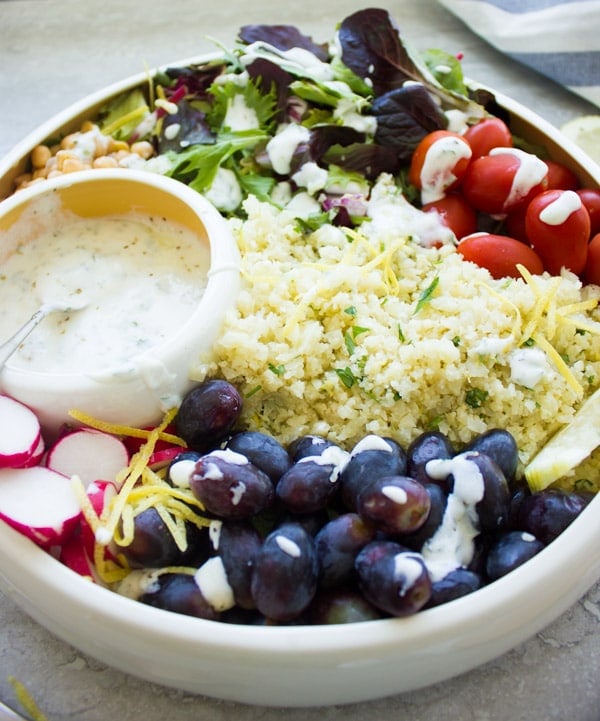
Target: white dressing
(531,172)
(211,579)
(281,147)
(452,545)
(559,210)
(440,160)
(142,279)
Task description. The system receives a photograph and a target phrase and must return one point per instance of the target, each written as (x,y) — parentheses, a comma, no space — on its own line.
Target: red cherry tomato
(592,265)
(500,254)
(558,229)
(590,197)
(514,223)
(498,182)
(455,213)
(487,134)
(561,177)
(439,163)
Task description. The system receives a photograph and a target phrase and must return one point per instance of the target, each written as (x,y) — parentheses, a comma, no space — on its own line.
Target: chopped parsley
(427,294)
(476,397)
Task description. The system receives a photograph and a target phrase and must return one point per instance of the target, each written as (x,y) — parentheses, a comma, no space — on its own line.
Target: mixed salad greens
(356,108)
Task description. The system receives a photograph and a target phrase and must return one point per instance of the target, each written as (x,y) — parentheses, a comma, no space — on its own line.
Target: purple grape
(337,544)
(238,543)
(285,574)
(427,447)
(207,414)
(394,504)
(501,447)
(179,592)
(263,451)
(510,551)
(457,583)
(438,499)
(371,458)
(307,486)
(229,486)
(392,578)
(494,508)
(546,514)
(341,606)
(153,545)
(308,446)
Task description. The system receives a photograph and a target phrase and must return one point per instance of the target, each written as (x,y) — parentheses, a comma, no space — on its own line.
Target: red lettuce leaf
(372,49)
(283,37)
(405,116)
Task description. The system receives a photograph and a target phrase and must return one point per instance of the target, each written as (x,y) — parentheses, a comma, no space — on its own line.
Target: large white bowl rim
(303,665)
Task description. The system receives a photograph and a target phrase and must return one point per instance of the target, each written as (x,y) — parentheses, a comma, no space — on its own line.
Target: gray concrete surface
(54,52)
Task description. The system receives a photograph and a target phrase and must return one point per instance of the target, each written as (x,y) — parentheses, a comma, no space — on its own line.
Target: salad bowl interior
(291,665)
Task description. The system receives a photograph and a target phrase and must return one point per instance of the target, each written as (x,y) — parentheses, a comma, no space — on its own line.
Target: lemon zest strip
(117,429)
(25,699)
(562,367)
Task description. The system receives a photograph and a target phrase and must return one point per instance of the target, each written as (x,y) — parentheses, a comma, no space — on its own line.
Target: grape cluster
(317,534)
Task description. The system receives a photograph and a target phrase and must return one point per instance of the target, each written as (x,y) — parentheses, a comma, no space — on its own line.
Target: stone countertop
(55,52)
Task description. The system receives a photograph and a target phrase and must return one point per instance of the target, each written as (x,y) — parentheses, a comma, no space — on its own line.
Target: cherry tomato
(592,265)
(561,177)
(590,197)
(500,254)
(487,134)
(498,182)
(455,213)
(558,229)
(514,223)
(439,163)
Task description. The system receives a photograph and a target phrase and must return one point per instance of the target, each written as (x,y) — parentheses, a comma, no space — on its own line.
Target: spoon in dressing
(12,344)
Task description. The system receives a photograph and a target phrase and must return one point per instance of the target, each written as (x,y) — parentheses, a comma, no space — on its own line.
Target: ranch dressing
(142,278)
(531,172)
(559,210)
(452,545)
(440,159)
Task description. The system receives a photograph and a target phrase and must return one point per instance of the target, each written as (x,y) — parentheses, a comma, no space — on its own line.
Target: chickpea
(69,141)
(116,145)
(72,165)
(22,179)
(143,148)
(40,155)
(105,161)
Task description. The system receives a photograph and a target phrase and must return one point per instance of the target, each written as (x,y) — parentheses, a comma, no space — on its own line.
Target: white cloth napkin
(559,38)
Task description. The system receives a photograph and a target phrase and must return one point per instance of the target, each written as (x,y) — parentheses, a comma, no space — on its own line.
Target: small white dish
(140,390)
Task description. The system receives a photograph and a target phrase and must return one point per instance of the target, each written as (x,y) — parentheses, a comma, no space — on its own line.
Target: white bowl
(307,665)
(153,380)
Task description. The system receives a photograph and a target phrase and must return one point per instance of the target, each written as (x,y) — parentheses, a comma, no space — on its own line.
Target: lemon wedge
(584,131)
(568,448)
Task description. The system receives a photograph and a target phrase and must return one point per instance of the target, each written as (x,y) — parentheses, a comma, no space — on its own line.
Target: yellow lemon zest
(542,322)
(26,700)
(128,478)
(117,429)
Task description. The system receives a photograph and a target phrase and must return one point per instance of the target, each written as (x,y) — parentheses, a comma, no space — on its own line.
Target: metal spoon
(12,344)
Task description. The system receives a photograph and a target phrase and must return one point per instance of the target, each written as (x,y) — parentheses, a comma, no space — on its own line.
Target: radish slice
(20,433)
(163,456)
(36,457)
(91,455)
(39,503)
(74,556)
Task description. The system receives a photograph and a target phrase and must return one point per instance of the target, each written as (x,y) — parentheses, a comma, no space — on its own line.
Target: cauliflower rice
(343,333)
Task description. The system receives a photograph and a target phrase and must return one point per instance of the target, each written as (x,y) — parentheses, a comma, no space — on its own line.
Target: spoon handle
(10,346)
